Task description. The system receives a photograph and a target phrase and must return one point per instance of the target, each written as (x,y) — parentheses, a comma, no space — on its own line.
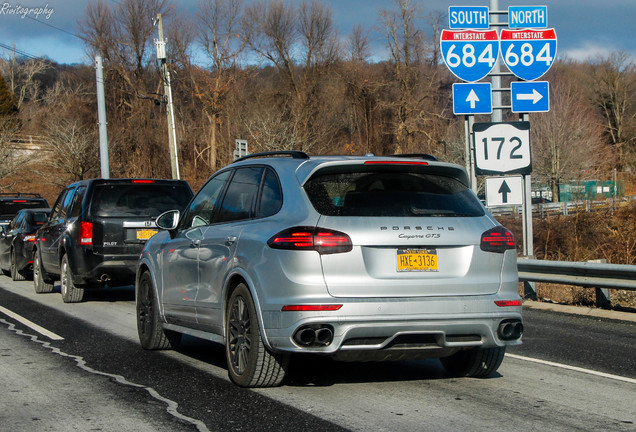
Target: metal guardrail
(601,276)
(564,208)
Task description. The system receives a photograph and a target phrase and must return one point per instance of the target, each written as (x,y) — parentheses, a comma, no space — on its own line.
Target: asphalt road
(572,373)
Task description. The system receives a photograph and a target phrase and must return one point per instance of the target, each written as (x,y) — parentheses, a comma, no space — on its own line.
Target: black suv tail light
(86,233)
(325,241)
(497,239)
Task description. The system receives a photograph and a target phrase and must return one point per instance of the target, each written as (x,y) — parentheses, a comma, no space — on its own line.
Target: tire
(70,293)
(15,274)
(250,364)
(475,362)
(41,283)
(152,335)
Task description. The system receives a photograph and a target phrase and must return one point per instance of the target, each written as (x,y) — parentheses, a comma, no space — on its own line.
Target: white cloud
(590,51)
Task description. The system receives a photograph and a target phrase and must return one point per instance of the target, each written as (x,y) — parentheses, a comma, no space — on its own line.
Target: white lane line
(573,368)
(171,406)
(30,324)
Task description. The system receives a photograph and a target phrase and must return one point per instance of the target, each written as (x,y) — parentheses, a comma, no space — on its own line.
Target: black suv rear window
(391,193)
(139,199)
(8,209)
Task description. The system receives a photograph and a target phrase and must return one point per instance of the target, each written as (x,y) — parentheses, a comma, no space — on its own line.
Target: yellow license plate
(145,234)
(417,260)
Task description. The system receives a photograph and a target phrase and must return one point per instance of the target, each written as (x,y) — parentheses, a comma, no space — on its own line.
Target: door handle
(229,240)
(196,243)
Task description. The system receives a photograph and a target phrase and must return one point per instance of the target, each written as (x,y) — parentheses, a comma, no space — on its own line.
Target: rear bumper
(376,329)
(96,270)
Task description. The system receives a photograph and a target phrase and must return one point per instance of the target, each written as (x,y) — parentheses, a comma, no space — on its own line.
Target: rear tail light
(497,239)
(325,241)
(86,233)
(29,237)
(143,181)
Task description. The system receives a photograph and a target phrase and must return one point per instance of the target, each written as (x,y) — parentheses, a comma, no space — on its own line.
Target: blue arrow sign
(532,96)
(469,54)
(473,98)
(527,16)
(528,53)
(468,17)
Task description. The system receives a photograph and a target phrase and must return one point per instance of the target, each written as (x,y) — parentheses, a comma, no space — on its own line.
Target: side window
(241,195)
(271,195)
(201,209)
(56,213)
(66,204)
(76,209)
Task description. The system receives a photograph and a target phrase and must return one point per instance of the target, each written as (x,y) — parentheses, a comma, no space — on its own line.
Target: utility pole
(172,133)
(101,117)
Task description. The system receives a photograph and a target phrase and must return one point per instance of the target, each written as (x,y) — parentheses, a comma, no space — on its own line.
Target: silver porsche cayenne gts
(364,258)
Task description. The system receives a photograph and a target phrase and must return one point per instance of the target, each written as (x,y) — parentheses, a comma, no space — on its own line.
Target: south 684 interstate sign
(502,148)
(470,54)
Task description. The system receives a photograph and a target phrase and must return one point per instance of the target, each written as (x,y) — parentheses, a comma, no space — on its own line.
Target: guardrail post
(529,287)
(602,294)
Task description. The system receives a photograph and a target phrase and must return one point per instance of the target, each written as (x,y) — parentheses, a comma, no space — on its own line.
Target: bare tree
(614,94)
(302,44)
(219,22)
(22,77)
(11,159)
(564,139)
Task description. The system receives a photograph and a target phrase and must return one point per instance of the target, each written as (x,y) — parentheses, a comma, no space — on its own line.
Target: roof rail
(425,156)
(294,154)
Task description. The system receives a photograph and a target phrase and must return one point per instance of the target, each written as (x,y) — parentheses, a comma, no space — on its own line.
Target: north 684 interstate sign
(470,54)
(528,53)
(502,148)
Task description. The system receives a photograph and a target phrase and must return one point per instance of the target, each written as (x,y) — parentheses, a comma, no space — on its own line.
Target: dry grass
(600,235)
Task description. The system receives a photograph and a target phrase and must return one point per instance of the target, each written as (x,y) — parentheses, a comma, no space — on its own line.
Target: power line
(19,52)
(57,28)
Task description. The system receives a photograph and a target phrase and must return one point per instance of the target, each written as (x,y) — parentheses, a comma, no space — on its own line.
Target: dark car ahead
(16,242)
(12,202)
(96,231)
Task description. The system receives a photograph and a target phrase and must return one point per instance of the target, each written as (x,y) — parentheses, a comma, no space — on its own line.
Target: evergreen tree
(7,100)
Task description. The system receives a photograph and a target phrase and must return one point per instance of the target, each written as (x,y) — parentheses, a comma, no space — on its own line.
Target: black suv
(12,202)
(96,231)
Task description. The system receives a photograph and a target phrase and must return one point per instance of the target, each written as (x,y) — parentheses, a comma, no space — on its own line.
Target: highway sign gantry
(472,98)
(530,96)
(470,54)
(528,53)
(502,148)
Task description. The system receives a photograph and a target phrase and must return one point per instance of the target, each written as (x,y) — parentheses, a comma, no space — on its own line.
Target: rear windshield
(138,199)
(8,209)
(391,193)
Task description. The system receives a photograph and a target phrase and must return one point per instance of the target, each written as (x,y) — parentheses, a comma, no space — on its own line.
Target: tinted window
(271,196)
(391,193)
(57,208)
(138,199)
(201,210)
(36,220)
(241,194)
(11,208)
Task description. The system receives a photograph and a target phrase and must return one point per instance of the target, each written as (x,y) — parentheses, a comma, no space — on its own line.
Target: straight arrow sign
(504,191)
(472,99)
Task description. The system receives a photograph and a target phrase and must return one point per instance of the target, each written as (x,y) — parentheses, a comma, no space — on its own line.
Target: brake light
(497,239)
(19,201)
(86,233)
(306,308)
(380,162)
(143,181)
(325,241)
(507,303)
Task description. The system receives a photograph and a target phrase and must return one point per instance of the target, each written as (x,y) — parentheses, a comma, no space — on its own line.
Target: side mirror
(168,220)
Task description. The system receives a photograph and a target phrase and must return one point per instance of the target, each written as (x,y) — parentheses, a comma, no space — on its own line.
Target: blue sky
(585,28)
